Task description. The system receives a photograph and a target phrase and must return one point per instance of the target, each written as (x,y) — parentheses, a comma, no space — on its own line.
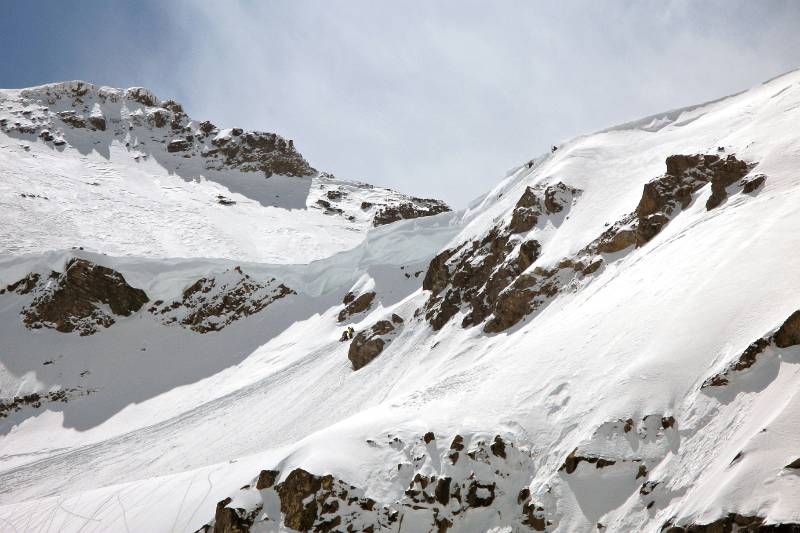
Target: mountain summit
(200,332)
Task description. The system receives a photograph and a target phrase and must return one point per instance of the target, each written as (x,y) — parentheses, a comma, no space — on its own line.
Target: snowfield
(590,411)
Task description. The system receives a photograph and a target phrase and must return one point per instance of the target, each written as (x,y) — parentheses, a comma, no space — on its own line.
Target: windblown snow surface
(599,397)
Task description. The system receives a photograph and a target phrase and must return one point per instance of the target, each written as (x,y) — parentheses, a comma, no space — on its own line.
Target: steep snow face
(608,340)
(123,173)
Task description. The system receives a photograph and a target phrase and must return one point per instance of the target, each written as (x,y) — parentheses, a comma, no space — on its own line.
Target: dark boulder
(178,145)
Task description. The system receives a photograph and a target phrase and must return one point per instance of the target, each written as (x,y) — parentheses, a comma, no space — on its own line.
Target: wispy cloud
(433,98)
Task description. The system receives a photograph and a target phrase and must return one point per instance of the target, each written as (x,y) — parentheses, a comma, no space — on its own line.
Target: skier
(347,334)
(554,148)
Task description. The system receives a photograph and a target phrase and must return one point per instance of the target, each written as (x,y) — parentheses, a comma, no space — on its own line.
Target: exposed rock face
(72,119)
(487,277)
(257,151)
(36,400)
(788,334)
(663,197)
(686,174)
(534,202)
(232,520)
(474,276)
(417,207)
(618,237)
(491,278)
(178,145)
(573,460)
(483,481)
(23,286)
(169,124)
(71,301)
(751,185)
(355,306)
(212,303)
(368,344)
(142,96)
(98,122)
(734,523)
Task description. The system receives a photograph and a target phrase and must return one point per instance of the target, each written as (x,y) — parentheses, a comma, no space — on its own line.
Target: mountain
(121,172)
(608,340)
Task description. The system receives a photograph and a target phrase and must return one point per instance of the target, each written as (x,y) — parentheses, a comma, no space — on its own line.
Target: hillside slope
(608,340)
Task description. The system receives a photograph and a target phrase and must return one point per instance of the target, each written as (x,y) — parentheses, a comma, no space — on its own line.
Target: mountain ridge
(588,413)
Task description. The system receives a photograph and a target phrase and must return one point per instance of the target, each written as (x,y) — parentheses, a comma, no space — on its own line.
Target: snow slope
(598,394)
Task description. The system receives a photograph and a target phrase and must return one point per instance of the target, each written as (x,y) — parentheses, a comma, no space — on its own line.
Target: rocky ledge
(474,275)
(494,280)
(211,303)
(82,298)
(470,481)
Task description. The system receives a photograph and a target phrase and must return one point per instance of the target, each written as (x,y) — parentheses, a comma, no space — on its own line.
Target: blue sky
(432,98)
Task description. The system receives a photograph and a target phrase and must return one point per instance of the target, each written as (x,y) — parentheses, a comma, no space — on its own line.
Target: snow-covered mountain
(609,340)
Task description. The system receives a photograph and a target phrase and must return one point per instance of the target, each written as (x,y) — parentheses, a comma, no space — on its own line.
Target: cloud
(439,98)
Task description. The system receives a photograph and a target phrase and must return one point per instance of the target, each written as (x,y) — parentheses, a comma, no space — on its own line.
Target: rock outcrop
(474,276)
(787,335)
(36,400)
(415,208)
(355,305)
(86,296)
(256,152)
(368,344)
(495,280)
(663,197)
(734,523)
(535,202)
(167,122)
(211,303)
(485,278)
(489,482)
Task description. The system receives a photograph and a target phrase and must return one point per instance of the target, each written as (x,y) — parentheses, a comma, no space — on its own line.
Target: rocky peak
(137,118)
(413,208)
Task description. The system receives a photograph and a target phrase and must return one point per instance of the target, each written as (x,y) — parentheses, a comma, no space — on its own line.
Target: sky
(433,98)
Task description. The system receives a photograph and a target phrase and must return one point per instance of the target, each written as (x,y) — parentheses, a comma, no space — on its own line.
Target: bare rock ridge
(37,400)
(355,305)
(734,523)
(88,296)
(76,299)
(211,303)
(495,279)
(77,105)
(474,275)
(345,198)
(415,208)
